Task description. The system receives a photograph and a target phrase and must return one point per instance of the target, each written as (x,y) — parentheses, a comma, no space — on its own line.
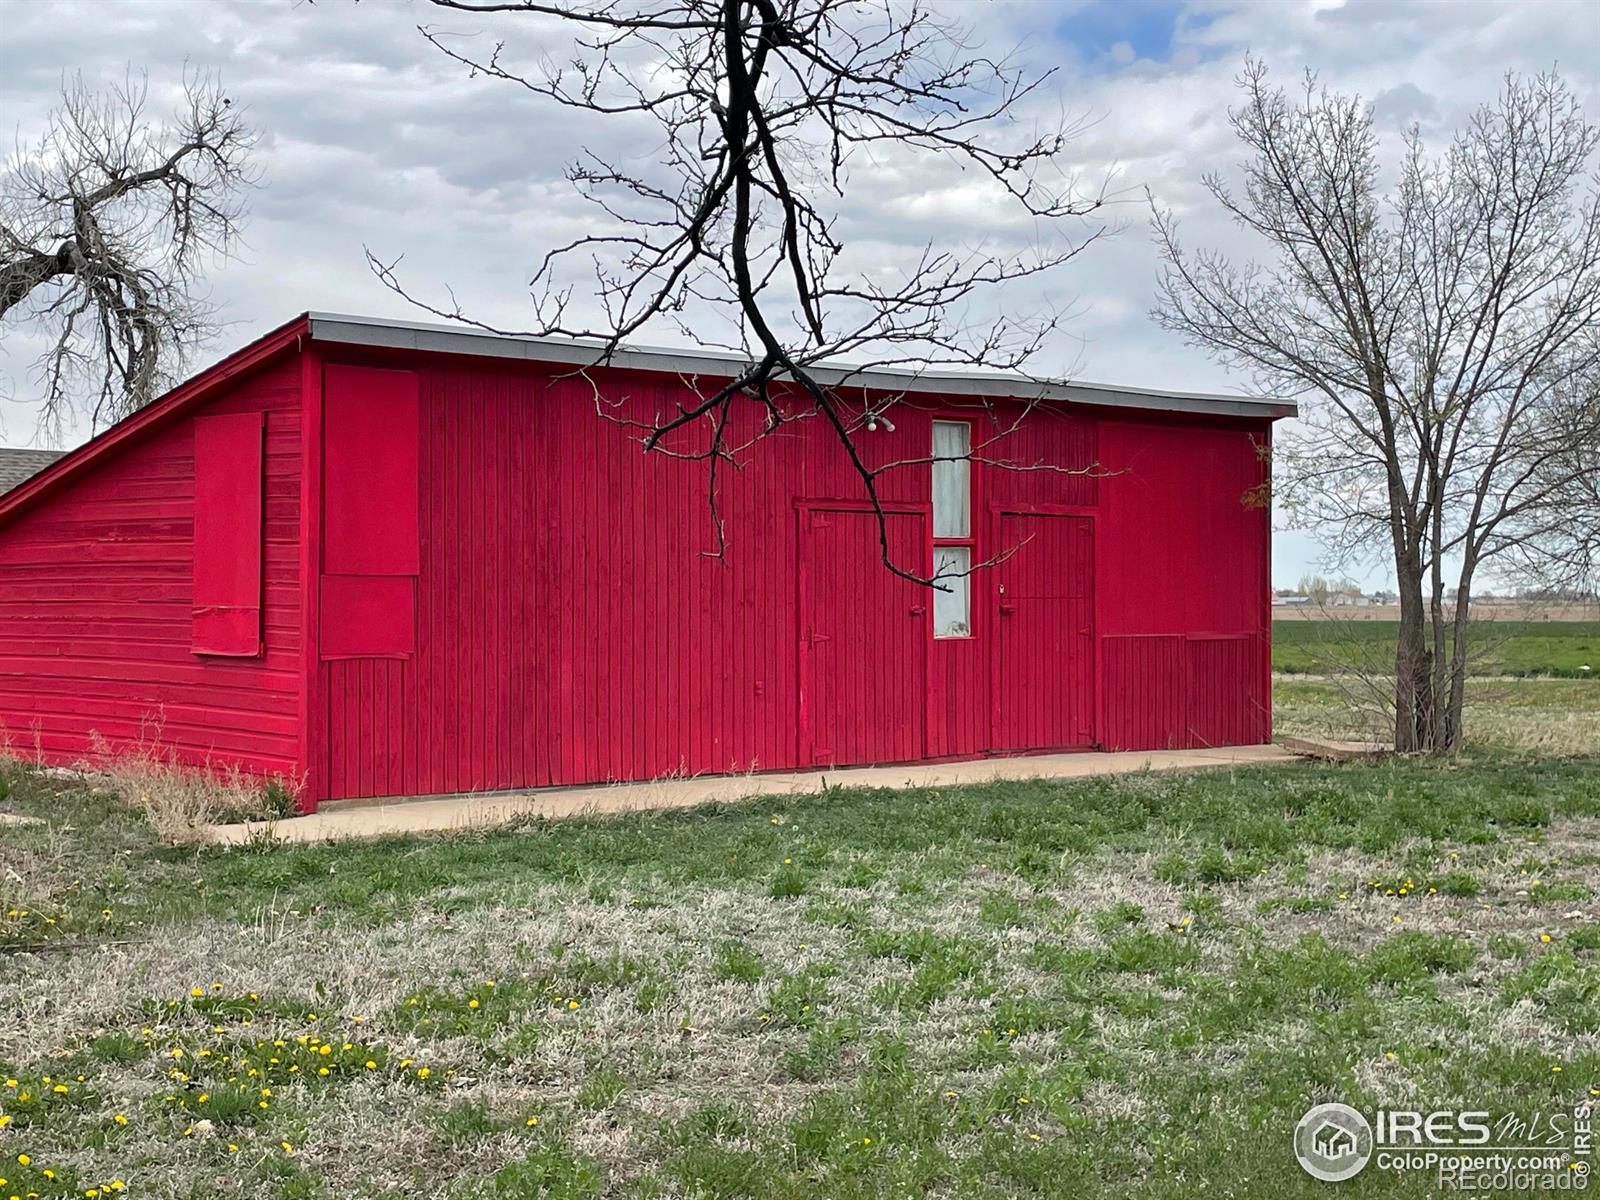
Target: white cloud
(373,138)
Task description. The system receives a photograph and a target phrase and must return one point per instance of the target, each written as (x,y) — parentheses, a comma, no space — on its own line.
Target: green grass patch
(1553,649)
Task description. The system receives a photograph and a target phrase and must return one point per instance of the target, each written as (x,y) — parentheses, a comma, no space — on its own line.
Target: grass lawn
(1562,649)
(1520,716)
(1126,987)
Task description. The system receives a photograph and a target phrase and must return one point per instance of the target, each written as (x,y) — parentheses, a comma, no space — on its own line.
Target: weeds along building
(395,559)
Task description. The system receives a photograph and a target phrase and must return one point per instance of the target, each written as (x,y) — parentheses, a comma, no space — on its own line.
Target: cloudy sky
(372,138)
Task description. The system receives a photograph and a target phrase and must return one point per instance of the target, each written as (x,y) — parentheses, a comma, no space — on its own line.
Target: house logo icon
(1333,1142)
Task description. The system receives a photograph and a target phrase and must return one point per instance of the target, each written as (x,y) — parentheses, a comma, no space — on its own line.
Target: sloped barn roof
(18,466)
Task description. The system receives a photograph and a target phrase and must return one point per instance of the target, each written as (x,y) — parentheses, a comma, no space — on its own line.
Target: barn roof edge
(386,333)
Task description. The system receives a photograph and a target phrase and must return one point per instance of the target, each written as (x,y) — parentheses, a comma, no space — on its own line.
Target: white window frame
(952,600)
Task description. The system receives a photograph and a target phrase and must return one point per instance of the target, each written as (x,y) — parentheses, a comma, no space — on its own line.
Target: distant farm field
(1555,649)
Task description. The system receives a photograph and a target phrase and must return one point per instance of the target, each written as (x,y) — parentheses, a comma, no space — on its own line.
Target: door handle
(1007,609)
(917,610)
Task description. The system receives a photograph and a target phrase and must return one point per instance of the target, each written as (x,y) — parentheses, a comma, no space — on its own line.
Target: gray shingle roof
(18,466)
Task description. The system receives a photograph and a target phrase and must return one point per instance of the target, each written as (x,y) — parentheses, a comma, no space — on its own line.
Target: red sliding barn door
(1044,684)
(863,639)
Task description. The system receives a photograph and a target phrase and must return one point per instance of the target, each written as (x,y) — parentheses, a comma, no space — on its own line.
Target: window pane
(950,594)
(952,492)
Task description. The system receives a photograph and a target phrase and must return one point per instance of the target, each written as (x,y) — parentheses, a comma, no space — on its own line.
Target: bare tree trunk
(1453,722)
(1412,687)
(1442,334)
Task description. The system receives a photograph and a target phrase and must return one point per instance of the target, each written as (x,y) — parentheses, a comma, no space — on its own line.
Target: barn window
(952,489)
(951,617)
(952,528)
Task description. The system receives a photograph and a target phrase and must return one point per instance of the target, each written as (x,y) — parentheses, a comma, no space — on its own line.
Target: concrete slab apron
(443,814)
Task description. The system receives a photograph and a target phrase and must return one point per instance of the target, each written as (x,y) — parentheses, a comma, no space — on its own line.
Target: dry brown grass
(180,799)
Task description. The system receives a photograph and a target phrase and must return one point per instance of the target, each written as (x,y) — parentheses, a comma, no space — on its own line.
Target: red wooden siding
(1227,705)
(370,476)
(489,585)
(371,530)
(98,591)
(1044,685)
(863,640)
(227,534)
(1145,697)
(573,625)
(1182,587)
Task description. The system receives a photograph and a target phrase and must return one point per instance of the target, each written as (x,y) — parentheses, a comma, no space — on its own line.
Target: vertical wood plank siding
(573,622)
(575,625)
(96,599)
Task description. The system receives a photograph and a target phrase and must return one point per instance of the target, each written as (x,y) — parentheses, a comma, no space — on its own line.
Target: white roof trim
(454,339)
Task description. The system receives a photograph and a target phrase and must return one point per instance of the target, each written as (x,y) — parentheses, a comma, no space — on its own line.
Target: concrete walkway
(339,820)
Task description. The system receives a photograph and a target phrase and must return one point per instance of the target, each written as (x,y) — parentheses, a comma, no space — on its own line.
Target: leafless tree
(105,226)
(761,109)
(1437,331)
(1554,548)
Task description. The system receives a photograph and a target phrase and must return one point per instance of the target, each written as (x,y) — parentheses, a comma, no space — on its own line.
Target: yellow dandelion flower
(197,992)
(371,1066)
(24,1159)
(533,1120)
(287,1148)
(423,1072)
(120,1119)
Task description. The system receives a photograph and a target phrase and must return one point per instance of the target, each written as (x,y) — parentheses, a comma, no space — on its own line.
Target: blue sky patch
(1145,25)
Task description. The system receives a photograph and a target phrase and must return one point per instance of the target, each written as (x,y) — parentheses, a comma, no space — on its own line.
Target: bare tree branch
(1443,335)
(105,227)
(762,108)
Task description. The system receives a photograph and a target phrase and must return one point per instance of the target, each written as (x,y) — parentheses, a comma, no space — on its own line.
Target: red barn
(392,559)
